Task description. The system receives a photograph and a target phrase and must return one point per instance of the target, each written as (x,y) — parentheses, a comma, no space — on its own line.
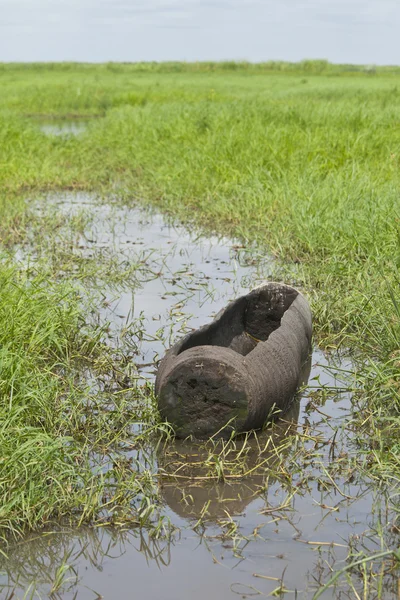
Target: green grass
(308,170)
(60,434)
(303,160)
(41,469)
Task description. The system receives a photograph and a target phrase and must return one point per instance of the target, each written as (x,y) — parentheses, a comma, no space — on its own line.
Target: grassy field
(302,160)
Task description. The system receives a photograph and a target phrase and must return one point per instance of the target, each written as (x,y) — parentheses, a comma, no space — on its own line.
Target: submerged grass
(309,170)
(41,466)
(302,160)
(306,167)
(61,433)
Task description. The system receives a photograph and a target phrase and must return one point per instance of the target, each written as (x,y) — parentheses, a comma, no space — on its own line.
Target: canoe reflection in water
(189,484)
(217,477)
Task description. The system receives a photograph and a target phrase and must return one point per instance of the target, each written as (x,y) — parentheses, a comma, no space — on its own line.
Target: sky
(351,31)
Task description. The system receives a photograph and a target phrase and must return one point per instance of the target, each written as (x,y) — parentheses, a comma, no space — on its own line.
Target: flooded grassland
(120,234)
(276,513)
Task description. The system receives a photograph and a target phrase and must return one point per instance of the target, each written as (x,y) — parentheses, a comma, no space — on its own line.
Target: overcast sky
(356,31)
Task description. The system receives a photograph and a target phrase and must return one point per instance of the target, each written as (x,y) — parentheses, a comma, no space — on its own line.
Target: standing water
(241,537)
(63,127)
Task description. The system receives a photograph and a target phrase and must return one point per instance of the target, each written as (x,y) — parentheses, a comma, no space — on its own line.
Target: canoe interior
(246,321)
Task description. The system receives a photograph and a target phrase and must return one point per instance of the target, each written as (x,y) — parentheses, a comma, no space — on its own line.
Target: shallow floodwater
(63,127)
(254,539)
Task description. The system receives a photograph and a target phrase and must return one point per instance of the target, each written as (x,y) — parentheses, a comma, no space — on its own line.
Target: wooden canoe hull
(240,370)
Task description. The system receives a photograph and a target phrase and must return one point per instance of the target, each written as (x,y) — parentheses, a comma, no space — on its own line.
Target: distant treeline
(311,67)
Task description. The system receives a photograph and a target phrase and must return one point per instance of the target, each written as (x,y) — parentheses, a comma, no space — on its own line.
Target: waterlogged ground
(64,127)
(269,532)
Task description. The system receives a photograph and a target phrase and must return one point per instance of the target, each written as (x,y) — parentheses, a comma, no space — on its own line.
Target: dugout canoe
(240,370)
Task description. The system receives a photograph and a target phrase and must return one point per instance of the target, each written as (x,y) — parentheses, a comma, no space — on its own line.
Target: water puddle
(267,533)
(63,127)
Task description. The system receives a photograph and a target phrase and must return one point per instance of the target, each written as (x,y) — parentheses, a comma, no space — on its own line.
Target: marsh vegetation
(291,174)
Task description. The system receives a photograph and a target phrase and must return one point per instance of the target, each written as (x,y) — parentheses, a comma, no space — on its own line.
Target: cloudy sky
(357,31)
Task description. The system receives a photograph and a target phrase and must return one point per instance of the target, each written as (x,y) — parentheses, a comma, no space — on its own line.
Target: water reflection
(63,127)
(51,562)
(214,479)
(272,506)
(189,471)
(252,524)
(180,279)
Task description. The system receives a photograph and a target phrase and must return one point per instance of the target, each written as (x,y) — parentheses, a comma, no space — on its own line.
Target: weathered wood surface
(236,372)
